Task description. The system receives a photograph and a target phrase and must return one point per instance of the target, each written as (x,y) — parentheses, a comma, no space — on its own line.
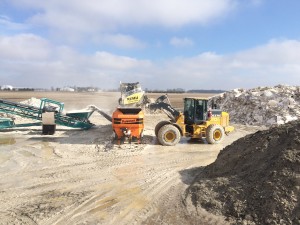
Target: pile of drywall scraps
(255,180)
(262,106)
(33,102)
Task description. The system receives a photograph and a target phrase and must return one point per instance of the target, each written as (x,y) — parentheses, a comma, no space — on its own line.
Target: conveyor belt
(32,112)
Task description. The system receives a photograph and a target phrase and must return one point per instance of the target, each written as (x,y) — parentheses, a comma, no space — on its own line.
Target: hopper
(80,114)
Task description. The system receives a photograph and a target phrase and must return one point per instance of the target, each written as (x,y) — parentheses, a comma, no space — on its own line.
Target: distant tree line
(180,90)
(95,89)
(25,89)
(17,89)
(205,91)
(175,90)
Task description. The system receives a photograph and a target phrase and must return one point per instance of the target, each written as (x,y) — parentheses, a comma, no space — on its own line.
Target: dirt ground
(255,180)
(81,177)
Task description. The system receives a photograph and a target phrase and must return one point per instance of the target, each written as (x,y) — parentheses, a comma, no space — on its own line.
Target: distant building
(7,87)
(67,89)
(86,89)
(91,89)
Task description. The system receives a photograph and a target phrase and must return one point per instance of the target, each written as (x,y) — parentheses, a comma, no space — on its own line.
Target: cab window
(189,109)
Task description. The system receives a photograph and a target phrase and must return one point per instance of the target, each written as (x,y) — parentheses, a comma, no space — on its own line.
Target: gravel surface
(81,177)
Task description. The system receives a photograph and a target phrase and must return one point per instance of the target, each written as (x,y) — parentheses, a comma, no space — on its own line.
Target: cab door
(189,111)
(200,111)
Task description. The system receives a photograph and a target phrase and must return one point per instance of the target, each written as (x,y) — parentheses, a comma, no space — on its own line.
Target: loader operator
(209,114)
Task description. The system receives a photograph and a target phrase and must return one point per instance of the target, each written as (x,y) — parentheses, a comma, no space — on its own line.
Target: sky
(163,44)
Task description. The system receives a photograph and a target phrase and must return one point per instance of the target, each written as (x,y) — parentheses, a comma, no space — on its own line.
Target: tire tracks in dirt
(94,182)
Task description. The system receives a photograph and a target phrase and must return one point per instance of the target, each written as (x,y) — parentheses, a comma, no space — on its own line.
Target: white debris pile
(262,106)
(33,102)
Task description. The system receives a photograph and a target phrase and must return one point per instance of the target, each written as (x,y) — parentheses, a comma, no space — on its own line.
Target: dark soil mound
(256,180)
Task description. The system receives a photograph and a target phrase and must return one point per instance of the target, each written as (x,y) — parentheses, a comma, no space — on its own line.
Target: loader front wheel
(214,134)
(168,135)
(160,125)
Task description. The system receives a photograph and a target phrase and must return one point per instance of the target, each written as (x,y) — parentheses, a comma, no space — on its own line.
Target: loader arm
(172,113)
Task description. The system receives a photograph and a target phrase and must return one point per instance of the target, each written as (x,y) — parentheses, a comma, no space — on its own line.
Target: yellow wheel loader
(196,121)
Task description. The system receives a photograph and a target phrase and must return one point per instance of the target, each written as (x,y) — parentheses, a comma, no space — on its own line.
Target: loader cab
(195,110)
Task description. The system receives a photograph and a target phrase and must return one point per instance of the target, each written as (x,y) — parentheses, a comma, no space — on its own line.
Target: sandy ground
(80,177)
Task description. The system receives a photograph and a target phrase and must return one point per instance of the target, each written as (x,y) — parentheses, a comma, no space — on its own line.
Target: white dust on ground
(80,177)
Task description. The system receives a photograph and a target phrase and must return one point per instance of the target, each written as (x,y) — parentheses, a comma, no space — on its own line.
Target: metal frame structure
(35,113)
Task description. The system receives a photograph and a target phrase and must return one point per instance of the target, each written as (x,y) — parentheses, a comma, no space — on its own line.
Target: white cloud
(274,52)
(104,22)
(181,42)
(24,47)
(120,41)
(28,60)
(110,61)
(270,64)
(103,15)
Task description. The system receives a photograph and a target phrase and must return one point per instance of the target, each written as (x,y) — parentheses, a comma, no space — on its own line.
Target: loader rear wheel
(168,135)
(215,134)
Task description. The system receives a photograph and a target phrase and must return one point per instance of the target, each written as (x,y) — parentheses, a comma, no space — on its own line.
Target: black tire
(160,125)
(168,135)
(214,134)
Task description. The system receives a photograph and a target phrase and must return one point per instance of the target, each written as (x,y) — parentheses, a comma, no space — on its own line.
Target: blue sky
(190,44)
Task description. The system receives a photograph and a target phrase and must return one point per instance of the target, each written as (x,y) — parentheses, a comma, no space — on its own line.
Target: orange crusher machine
(128,124)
